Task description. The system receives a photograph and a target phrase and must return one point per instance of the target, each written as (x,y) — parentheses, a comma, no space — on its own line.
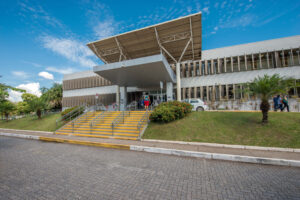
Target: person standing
(275,101)
(146,101)
(279,102)
(285,104)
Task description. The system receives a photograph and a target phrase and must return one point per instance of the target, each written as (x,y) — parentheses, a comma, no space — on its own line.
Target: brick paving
(188,147)
(39,170)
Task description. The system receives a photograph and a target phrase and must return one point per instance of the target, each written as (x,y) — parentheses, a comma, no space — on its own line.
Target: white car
(198,104)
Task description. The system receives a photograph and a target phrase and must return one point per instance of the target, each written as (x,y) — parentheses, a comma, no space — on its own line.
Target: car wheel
(200,109)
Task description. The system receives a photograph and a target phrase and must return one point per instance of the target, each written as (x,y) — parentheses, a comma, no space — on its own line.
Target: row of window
(265,60)
(95,81)
(221,92)
(106,99)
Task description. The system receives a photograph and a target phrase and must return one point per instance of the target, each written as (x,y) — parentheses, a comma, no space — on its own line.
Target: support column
(207,93)
(231,60)
(298,52)
(268,62)
(118,97)
(212,66)
(194,68)
(220,92)
(219,69)
(246,66)
(205,63)
(233,91)
(277,63)
(123,98)
(183,74)
(252,62)
(260,65)
(195,92)
(189,69)
(178,82)
(201,93)
(189,92)
(283,59)
(225,65)
(213,96)
(292,58)
(183,93)
(239,63)
(169,91)
(227,92)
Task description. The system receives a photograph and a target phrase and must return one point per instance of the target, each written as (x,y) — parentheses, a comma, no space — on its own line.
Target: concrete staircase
(107,124)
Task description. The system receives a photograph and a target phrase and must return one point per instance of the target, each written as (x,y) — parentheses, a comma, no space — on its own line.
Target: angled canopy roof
(170,38)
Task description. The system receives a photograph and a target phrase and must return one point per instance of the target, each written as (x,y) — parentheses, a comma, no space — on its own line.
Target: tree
(27,97)
(53,96)
(267,86)
(6,107)
(22,107)
(37,105)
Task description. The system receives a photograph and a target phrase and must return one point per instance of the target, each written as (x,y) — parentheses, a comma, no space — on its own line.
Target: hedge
(170,111)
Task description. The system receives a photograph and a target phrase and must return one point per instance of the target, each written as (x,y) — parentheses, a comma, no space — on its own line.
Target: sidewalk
(178,149)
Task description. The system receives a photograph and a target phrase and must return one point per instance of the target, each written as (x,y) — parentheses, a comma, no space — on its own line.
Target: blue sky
(42,40)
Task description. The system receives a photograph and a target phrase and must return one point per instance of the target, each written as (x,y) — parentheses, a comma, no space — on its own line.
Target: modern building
(166,61)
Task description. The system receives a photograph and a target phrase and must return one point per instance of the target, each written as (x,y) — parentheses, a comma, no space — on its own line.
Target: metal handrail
(120,118)
(133,104)
(142,121)
(75,119)
(98,118)
(71,114)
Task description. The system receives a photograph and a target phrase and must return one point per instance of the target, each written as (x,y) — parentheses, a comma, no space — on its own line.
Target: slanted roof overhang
(140,72)
(170,38)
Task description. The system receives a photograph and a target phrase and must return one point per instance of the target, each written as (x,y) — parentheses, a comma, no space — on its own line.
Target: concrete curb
(33,137)
(214,156)
(227,146)
(27,131)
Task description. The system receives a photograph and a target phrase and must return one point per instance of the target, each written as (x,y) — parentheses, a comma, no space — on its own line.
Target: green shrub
(68,110)
(170,111)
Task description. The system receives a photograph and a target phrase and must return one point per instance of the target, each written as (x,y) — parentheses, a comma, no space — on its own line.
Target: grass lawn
(47,123)
(242,128)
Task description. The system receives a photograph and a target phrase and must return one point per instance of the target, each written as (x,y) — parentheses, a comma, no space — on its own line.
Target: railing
(98,118)
(69,116)
(132,106)
(74,121)
(143,121)
(119,119)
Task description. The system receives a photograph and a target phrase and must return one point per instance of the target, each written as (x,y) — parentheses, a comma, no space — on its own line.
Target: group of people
(281,102)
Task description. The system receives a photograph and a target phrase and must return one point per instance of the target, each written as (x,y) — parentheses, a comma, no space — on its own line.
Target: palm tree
(267,86)
(6,107)
(53,95)
(37,105)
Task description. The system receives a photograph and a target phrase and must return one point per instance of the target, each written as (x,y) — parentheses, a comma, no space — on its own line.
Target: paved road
(37,170)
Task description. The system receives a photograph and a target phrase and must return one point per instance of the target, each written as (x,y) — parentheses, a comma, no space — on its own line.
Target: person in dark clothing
(279,102)
(275,101)
(285,104)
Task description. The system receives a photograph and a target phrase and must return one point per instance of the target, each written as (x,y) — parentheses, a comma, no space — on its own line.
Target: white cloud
(46,75)
(70,49)
(61,70)
(20,74)
(37,13)
(32,88)
(205,10)
(105,29)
